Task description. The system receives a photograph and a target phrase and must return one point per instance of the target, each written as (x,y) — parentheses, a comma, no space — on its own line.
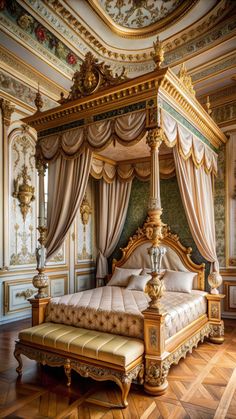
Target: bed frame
(160,353)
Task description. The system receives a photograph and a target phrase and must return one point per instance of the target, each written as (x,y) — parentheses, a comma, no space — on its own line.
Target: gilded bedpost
(214,316)
(156,363)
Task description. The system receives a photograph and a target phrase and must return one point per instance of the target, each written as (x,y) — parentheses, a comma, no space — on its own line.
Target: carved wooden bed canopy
(102,110)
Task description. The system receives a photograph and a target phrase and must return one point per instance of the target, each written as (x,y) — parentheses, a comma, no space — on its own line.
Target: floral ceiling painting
(138,16)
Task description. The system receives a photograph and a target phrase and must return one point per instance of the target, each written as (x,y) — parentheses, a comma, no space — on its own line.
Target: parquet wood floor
(203,386)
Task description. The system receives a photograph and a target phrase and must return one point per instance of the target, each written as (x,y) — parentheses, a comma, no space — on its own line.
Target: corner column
(214,316)
(6,112)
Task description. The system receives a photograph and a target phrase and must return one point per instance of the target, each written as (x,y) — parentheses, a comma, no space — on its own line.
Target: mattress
(119,310)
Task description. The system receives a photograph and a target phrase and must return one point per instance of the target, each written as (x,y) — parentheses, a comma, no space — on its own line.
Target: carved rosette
(156,373)
(217,330)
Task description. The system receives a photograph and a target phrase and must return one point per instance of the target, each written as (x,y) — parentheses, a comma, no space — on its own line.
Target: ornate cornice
(13,64)
(111,53)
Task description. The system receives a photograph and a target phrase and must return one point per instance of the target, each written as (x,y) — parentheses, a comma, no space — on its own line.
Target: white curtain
(66,188)
(112,205)
(197,196)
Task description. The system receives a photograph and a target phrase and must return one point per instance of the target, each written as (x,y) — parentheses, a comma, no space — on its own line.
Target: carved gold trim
(210,20)
(132,91)
(169,239)
(227,285)
(146,31)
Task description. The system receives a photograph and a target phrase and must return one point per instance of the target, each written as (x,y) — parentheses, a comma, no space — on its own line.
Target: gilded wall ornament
(24,192)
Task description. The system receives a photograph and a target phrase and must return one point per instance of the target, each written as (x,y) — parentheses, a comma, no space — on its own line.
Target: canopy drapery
(70,162)
(66,188)
(126,129)
(112,206)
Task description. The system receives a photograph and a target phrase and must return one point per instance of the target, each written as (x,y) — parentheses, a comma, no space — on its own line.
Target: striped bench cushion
(115,349)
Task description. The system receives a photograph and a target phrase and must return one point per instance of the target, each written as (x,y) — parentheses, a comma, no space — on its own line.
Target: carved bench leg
(67,369)
(125,391)
(17,355)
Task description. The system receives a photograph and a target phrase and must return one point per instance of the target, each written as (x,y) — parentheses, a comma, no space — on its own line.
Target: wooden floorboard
(202,386)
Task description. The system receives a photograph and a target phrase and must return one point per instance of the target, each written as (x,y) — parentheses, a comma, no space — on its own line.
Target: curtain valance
(126,129)
(127,171)
(188,144)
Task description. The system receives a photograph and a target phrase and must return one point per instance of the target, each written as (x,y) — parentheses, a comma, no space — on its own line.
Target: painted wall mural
(22,213)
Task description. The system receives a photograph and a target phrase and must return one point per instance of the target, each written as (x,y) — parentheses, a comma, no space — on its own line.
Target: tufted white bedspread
(118,310)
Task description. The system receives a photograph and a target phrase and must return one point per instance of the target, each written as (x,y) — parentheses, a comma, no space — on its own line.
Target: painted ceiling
(45,42)
(131,17)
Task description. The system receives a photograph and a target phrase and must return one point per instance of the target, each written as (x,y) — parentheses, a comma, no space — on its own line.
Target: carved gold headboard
(178,257)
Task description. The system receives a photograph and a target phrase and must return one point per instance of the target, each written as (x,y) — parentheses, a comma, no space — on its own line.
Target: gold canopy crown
(91,77)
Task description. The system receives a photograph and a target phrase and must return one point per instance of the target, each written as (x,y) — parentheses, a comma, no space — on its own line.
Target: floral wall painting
(14,12)
(231,200)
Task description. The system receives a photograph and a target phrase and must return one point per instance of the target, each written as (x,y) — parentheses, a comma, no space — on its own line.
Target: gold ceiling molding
(107,51)
(144,31)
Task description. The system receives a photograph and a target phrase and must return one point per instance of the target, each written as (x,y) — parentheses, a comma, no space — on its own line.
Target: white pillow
(120,277)
(179,281)
(138,282)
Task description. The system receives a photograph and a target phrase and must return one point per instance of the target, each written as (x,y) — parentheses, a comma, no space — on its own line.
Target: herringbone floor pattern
(203,386)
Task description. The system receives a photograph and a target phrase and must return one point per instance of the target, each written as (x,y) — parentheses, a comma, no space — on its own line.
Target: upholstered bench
(99,355)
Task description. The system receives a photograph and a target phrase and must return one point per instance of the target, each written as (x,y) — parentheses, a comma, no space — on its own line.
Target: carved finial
(158,54)
(38,100)
(186,79)
(208,105)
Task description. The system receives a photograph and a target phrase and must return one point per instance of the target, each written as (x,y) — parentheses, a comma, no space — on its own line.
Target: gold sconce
(24,192)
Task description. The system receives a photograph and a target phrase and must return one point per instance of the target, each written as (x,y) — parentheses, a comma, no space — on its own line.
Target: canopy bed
(96,130)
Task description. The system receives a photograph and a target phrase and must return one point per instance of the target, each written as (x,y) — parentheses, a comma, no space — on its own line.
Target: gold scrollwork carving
(26,293)
(24,192)
(91,77)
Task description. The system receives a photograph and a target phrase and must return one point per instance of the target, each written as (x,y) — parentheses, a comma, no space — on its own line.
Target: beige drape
(197,196)
(127,171)
(67,184)
(189,145)
(112,205)
(126,129)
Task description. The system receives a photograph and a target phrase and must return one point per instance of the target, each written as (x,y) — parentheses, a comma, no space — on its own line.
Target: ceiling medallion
(140,18)
(91,77)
